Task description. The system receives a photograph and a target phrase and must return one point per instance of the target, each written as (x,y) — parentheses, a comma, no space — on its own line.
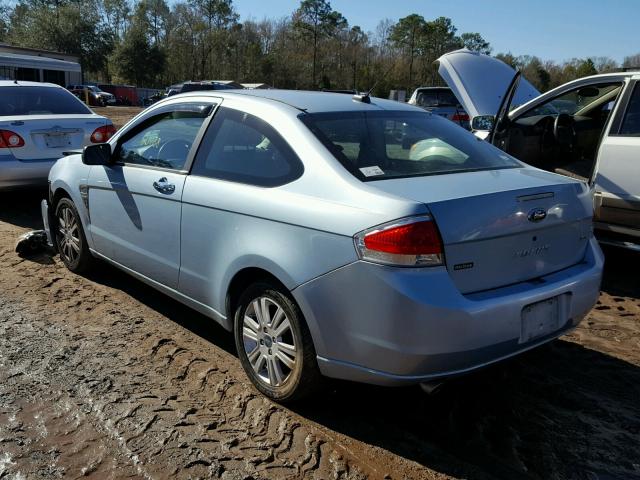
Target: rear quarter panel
(228,227)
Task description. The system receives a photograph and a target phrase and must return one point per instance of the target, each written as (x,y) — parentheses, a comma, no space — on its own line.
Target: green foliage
(136,60)
(313,21)
(157,43)
(475,42)
(75,28)
(4,20)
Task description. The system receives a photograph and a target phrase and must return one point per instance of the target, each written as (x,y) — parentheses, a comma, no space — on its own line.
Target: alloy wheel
(269,341)
(69,241)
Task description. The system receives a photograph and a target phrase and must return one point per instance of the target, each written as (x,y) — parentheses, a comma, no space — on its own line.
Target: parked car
(196,86)
(441,101)
(588,129)
(38,123)
(303,222)
(97,97)
(126,95)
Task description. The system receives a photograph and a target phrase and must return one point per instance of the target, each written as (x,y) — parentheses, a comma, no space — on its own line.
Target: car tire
(70,238)
(275,348)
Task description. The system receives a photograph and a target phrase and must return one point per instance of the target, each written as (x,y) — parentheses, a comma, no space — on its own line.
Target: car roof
(20,83)
(310,101)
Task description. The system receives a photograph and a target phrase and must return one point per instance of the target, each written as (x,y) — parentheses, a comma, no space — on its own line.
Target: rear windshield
(381,145)
(39,101)
(436,98)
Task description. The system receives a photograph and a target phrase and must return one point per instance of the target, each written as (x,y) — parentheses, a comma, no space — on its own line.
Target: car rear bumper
(394,326)
(27,173)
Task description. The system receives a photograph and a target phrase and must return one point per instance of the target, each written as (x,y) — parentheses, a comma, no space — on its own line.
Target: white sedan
(39,122)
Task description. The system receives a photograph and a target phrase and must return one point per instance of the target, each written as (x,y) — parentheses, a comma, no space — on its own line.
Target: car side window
(244,148)
(163,140)
(631,121)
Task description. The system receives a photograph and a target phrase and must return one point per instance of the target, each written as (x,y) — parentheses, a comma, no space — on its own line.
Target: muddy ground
(101,376)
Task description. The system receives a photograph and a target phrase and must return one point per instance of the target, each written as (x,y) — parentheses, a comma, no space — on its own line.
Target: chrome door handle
(163,186)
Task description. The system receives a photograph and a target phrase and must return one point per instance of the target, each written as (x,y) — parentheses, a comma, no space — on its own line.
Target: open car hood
(480,81)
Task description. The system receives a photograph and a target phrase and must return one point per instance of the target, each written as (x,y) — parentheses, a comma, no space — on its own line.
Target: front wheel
(70,238)
(274,344)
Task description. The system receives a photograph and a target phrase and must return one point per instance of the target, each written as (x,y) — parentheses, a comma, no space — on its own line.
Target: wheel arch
(241,280)
(61,189)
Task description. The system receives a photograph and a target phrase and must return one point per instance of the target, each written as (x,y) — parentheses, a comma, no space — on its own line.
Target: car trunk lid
(507,226)
(480,81)
(47,137)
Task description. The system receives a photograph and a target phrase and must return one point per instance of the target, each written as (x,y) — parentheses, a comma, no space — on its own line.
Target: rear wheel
(70,238)
(274,344)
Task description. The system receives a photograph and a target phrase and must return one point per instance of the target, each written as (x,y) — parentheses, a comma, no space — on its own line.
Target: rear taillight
(410,242)
(102,134)
(460,117)
(9,139)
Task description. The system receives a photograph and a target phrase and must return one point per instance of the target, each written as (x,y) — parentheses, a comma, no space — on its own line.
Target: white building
(18,63)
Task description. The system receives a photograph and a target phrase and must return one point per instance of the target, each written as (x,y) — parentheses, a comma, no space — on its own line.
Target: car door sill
(188,301)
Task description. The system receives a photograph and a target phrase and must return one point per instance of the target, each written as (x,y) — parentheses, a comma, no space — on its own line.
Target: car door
(134,204)
(617,179)
(240,158)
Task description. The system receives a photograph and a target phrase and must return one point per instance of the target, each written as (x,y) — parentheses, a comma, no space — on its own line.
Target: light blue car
(310,225)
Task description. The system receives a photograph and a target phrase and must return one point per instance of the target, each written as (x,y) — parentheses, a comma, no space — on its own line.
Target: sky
(550,29)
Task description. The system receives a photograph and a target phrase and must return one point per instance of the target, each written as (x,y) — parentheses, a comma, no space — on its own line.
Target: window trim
(299,164)
(149,120)
(623,108)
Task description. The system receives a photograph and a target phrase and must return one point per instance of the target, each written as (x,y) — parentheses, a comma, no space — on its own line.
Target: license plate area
(59,140)
(543,318)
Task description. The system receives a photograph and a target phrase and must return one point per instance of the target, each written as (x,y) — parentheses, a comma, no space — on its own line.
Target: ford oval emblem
(537,215)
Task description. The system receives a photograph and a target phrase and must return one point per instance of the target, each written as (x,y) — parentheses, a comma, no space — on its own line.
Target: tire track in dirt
(126,383)
(148,396)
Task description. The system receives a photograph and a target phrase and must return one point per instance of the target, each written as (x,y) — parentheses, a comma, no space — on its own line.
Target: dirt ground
(101,376)
(118,115)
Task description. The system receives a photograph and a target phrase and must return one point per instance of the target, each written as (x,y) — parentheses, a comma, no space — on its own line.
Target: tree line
(149,43)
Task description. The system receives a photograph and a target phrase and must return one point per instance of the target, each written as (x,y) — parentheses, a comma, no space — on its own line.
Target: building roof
(33,61)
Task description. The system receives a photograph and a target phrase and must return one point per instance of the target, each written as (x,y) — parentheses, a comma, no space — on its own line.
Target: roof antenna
(15,81)
(366,97)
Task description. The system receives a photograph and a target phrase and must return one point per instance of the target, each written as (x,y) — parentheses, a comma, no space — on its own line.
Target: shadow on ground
(561,411)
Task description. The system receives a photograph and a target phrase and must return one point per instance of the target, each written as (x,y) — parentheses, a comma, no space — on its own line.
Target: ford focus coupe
(353,238)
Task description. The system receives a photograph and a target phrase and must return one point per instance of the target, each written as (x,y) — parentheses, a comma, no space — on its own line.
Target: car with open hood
(588,129)
(335,235)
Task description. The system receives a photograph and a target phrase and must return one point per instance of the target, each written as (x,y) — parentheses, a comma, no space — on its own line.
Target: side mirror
(99,154)
(483,122)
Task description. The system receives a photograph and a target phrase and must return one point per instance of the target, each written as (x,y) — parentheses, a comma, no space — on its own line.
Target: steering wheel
(563,130)
(176,149)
